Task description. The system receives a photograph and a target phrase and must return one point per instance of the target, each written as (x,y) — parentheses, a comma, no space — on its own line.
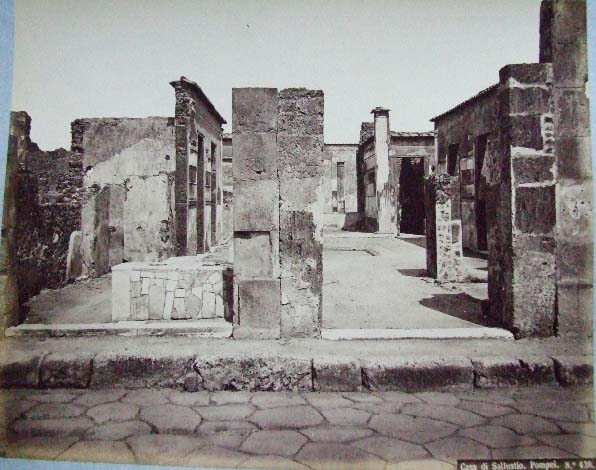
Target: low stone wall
(179,289)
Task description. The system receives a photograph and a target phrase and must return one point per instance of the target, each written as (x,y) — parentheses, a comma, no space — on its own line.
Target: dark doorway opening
(452,152)
(411,196)
(480,190)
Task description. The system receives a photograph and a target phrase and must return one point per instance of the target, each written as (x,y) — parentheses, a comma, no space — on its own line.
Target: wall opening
(452,152)
(411,196)
(480,190)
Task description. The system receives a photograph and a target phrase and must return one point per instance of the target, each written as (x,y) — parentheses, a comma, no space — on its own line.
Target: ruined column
(300,146)
(521,211)
(256,213)
(563,42)
(386,194)
(443,228)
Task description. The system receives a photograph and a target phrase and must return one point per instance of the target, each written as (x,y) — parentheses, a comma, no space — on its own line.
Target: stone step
(339,334)
(217,328)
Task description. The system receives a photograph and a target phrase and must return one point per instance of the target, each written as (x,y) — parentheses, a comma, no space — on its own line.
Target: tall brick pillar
(300,147)
(256,213)
(521,215)
(563,42)
(386,191)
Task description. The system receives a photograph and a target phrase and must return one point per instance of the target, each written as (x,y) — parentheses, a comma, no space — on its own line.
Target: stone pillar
(443,228)
(521,204)
(563,42)
(256,213)
(300,146)
(386,194)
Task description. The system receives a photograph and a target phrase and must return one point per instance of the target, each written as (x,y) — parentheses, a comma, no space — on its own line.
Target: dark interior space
(480,183)
(411,196)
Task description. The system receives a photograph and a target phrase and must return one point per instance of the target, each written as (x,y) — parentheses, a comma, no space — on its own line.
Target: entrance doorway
(411,196)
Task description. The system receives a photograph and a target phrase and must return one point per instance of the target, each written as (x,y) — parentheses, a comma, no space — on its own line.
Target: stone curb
(40,369)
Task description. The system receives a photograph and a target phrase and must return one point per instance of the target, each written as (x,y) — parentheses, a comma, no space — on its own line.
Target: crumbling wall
(300,146)
(563,42)
(128,207)
(521,177)
(340,191)
(443,228)
(46,205)
(462,127)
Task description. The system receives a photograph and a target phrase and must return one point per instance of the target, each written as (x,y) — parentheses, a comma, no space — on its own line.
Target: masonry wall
(462,128)
(301,174)
(563,42)
(198,149)
(43,210)
(227,221)
(340,193)
(521,177)
(128,206)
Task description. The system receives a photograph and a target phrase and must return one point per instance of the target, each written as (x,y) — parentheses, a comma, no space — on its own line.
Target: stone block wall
(563,42)
(278,203)
(181,289)
(443,228)
(521,177)
(46,193)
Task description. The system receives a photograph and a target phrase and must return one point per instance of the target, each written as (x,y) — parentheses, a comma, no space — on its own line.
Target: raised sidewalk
(306,364)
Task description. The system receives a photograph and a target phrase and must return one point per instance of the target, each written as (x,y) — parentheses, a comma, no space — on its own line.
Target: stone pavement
(381,430)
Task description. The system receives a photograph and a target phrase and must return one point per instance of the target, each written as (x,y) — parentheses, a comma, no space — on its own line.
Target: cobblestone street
(381,430)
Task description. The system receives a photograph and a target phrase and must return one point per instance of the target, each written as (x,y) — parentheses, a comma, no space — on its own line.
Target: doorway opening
(411,196)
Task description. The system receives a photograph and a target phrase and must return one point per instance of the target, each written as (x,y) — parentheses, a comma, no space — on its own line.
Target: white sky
(102,58)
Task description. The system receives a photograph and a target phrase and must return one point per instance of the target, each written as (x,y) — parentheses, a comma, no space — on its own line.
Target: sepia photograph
(319,235)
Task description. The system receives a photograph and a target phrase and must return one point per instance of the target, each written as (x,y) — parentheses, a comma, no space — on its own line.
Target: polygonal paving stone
(117,431)
(189,398)
(407,428)
(526,424)
(13,409)
(554,410)
(284,443)
(54,410)
(146,397)
(346,416)
(52,427)
(362,397)
(225,412)
(531,452)
(445,413)
(398,397)
(587,429)
(213,456)
(171,419)
(290,417)
(488,396)
(326,399)
(162,449)
(225,398)
(210,427)
(577,444)
(496,436)
(113,412)
(438,398)
(271,462)
(453,448)
(276,399)
(336,456)
(47,448)
(98,397)
(488,410)
(335,433)
(425,464)
(380,408)
(55,397)
(228,439)
(99,451)
(391,450)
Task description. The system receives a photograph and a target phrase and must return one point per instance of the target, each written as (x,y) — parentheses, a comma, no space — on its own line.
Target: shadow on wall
(353,222)
(416,240)
(461,305)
